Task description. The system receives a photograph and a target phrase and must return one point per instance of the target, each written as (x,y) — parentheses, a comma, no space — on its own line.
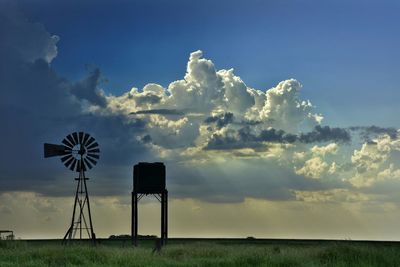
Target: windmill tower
(79,152)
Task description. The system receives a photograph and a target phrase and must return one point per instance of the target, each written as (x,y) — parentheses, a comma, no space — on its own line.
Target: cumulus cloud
(324,150)
(284,108)
(375,161)
(313,168)
(209,96)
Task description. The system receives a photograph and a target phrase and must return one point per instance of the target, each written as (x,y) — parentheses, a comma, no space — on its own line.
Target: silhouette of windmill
(80,152)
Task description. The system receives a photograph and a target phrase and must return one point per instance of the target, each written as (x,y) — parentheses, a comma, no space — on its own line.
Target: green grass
(201,253)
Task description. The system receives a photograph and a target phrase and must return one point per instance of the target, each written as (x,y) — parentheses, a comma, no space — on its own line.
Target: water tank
(149,178)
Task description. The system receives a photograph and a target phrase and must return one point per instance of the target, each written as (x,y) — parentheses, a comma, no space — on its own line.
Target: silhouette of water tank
(149,177)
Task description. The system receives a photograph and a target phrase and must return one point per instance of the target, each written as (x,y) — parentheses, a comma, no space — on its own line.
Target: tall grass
(20,253)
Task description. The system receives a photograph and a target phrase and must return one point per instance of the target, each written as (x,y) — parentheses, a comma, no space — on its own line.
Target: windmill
(79,152)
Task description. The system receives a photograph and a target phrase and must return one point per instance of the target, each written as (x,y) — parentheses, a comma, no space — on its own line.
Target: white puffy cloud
(284,108)
(313,168)
(237,97)
(324,150)
(375,161)
(317,162)
(180,110)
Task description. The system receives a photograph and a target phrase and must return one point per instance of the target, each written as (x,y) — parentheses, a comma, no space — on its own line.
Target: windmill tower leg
(134,225)
(164,217)
(81,210)
(92,234)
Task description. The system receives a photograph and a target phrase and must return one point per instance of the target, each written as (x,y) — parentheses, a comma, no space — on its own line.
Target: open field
(199,252)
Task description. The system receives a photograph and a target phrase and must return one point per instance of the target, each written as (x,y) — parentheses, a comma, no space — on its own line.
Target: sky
(275,119)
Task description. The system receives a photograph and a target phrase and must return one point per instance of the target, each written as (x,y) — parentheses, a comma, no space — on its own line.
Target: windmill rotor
(79,151)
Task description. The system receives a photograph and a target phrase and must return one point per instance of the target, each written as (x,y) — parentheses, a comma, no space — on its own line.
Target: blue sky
(344,52)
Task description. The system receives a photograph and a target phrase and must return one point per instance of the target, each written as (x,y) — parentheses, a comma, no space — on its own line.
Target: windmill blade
(85,138)
(81,137)
(92,160)
(69,162)
(67,143)
(91,140)
(71,140)
(72,168)
(93,145)
(76,138)
(83,165)
(64,159)
(88,163)
(51,150)
(94,150)
(93,156)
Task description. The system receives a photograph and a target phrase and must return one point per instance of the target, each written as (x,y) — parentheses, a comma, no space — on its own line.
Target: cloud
(325,150)
(244,137)
(313,168)
(325,134)
(368,132)
(284,108)
(87,89)
(333,195)
(23,40)
(220,120)
(375,162)
(209,96)
(160,111)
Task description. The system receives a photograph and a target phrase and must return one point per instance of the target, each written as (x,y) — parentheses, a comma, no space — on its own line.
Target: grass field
(202,253)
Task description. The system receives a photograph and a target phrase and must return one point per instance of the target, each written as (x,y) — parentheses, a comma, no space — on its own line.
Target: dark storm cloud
(368,132)
(174,112)
(227,142)
(37,106)
(220,120)
(325,134)
(87,89)
(146,139)
(244,138)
